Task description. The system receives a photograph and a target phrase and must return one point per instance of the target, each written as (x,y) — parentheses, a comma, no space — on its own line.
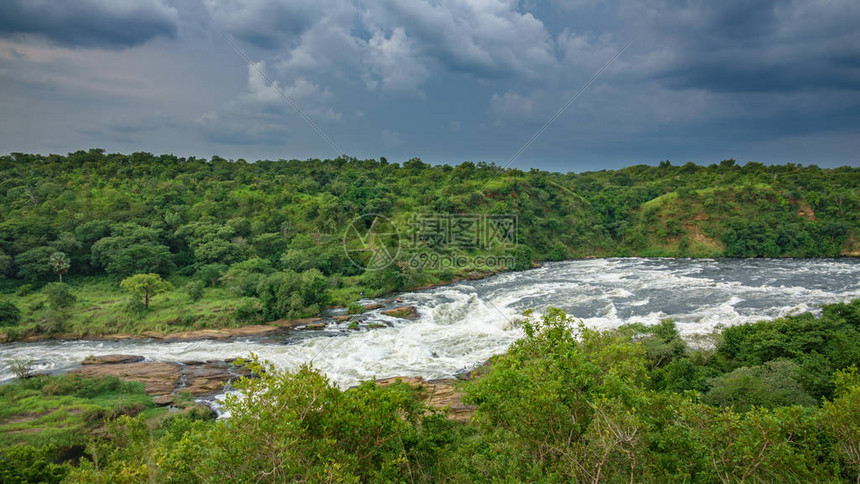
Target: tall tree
(60,264)
(145,286)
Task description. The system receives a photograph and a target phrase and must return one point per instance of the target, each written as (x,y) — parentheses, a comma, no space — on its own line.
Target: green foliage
(59,296)
(242,278)
(355,307)
(21,366)
(544,400)
(64,410)
(132,249)
(210,273)
(291,427)
(288,294)
(9,314)
(23,464)
(145,286)
(819,346)
(662,342)
(774,384)
(34,264)
(194,290)
(248,310)
(564,404)
(522,258)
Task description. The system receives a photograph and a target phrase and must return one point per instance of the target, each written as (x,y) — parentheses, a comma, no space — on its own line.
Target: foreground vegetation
(770,401)
(244,243)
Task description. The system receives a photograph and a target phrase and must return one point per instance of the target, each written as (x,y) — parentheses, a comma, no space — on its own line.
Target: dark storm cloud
(89,23)
(445,80)
(766,45)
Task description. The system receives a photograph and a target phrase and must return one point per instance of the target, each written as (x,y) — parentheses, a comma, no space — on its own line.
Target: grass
(101,305)
(66,410)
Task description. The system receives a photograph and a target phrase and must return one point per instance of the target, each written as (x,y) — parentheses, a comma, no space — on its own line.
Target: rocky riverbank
(165,381)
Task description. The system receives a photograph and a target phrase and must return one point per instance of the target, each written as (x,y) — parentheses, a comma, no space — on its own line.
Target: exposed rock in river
(294,323)
(406,312)
(163,380)
(211,333)
(111,359)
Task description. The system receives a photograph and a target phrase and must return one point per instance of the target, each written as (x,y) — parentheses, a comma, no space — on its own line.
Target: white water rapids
(463,324)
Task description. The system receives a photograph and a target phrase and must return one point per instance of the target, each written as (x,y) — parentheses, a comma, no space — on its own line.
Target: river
(461,325)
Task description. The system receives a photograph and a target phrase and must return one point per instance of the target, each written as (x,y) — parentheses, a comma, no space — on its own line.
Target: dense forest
(765,402)
(219,243)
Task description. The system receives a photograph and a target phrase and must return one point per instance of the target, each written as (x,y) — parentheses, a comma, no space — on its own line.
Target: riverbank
(173,317)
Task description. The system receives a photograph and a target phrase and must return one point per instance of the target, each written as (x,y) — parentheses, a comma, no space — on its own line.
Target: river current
(461,325)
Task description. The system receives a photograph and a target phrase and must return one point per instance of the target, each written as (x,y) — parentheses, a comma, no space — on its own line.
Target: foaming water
(462,325)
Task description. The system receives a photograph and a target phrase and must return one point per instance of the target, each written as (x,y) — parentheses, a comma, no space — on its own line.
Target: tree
(132,249)
(522,258)
(59,296)
(34,263)
(60,264)
(145,286)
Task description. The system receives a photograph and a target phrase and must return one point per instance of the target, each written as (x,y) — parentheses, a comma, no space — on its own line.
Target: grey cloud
(766,45)
(89,23)
(488,39)
(268,23)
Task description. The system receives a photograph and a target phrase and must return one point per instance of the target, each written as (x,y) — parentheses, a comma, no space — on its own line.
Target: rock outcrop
(438,393)
(405,312)
(164,380)
(111,359)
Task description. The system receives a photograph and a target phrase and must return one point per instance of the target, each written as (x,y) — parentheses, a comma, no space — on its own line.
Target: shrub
(194,290)
(771,385)
(522,258)
(355,307)
(25,463)
(24,289)
(135,306)
(248,309)
(10,315)
(210,273)
(59,296)
(21,366)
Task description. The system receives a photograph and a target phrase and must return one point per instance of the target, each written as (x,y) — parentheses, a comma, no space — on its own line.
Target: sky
(443,80)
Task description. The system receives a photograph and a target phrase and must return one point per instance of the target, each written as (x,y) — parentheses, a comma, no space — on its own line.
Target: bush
(21,366)
(522,258)
(771,385)
(248,310)
(10,315)
(194,290)
(59,296)
(355,307)
(210,273)
(135,306)
(25,463)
